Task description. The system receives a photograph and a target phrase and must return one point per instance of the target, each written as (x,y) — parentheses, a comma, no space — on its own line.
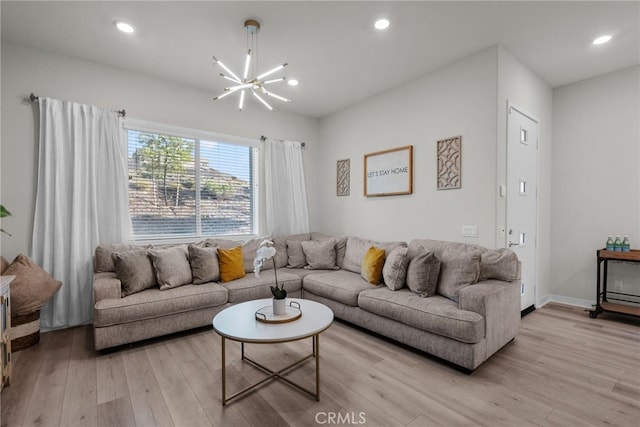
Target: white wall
(459,99)
(521,87)
(589,176)
(596,180)
(26,70)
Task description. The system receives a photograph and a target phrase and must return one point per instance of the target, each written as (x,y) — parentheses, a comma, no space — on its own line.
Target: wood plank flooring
(563,369)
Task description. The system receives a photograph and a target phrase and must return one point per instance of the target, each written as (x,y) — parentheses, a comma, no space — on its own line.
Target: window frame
(198,135)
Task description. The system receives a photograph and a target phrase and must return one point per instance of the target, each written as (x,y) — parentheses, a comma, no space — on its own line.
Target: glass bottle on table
(626,246)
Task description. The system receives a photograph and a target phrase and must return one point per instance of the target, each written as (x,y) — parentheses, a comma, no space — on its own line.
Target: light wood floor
(563,369)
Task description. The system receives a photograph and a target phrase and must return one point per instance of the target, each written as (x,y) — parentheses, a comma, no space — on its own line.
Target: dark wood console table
(602,296)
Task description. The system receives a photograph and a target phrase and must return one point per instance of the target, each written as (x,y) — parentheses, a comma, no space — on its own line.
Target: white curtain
(81,201)
(286,204)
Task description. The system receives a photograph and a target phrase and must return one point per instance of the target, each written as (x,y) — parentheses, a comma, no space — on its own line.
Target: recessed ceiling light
(292,82)
(124,27)
(602,39)
(381,24)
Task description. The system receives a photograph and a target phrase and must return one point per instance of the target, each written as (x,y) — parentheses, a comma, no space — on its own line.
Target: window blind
(188,186)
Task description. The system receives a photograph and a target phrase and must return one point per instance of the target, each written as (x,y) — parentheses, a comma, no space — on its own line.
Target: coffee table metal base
(272,375)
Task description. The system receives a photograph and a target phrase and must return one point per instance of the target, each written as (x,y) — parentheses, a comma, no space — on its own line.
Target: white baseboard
(561,299)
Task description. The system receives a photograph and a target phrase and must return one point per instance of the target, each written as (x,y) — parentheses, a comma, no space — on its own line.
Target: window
(183,185)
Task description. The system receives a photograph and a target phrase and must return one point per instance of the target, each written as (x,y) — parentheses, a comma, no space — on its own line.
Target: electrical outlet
(618,285)
(469,231)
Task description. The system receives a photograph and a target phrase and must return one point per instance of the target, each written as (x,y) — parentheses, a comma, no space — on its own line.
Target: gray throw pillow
(500,264)
(280,243)
(394,271)
(422,273)
(341,245)
(204,264)
(103,260)
(295,254)
(320,255)
(134,270)
(171,266)
(458,270)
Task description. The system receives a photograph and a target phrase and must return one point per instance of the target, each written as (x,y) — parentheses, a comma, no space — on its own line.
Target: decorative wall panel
(450,163)
(343,183)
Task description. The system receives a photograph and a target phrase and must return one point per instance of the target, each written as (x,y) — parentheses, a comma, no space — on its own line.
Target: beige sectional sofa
(456,301)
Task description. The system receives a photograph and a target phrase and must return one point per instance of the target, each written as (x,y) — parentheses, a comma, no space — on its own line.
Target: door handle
(511,243)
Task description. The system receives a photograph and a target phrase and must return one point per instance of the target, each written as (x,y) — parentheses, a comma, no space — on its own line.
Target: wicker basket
(25,330)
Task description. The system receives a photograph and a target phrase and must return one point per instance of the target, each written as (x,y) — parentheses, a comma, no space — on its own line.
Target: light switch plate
(469,231)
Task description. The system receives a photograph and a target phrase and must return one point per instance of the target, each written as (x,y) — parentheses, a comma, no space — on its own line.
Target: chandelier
(249,82)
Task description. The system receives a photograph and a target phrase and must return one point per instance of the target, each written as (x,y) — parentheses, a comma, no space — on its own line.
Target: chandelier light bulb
(241,100)
(273,81)
(268,73)
(262,100)
(246,65)
(224,67)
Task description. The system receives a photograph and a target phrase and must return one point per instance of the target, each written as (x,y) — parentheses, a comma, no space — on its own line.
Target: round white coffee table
(239,323)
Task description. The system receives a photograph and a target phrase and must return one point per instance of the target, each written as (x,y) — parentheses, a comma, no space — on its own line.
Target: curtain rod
(34,98)
(264,138)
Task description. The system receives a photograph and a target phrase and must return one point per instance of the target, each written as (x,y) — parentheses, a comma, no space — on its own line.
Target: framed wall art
(343,178)
(389,172)
(449,163)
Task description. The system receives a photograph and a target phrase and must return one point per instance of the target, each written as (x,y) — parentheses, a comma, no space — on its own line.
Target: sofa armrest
(499,303)
(106,286)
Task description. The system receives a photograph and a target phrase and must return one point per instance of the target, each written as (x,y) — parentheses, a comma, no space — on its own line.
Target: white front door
(522,200)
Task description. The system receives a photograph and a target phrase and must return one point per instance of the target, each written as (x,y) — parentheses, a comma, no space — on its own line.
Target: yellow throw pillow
(231,264)
(372,264)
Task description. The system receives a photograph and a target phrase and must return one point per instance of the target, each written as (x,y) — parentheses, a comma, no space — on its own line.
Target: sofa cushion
(32,287)
(458,270)
(357,247)
(204,264)
(341,245)
(282,252)
(231,264)
(251,287)
(135,271)
(423,272)
(372,264)
(303,272)
(154,303)
(171,266)
(499,264)
(437,314)
(341,286)
(320,255)
(295,254)
(394,272)
(103,260)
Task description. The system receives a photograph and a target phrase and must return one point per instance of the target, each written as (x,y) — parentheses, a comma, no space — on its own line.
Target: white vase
(279,307)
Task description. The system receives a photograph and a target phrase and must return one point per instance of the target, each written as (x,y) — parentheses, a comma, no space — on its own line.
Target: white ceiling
(331,47)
